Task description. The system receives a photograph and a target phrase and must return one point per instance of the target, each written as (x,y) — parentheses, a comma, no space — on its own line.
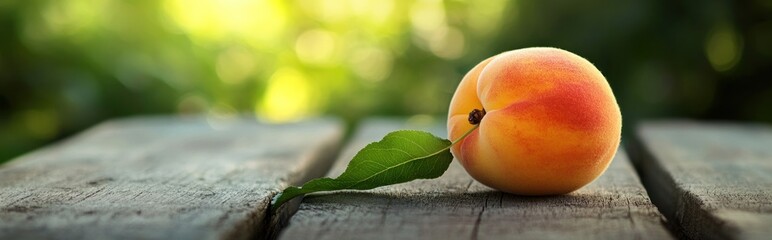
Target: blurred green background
(67,65)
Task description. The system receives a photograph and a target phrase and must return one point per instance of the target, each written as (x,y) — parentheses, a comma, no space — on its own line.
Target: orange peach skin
(552,123)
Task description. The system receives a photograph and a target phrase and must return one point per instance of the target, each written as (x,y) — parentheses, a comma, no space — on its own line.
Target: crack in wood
(476,229)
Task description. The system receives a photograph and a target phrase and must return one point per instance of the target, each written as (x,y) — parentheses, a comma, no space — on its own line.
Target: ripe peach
(549,123)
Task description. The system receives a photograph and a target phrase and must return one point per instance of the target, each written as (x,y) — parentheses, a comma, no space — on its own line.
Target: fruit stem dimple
(476,115)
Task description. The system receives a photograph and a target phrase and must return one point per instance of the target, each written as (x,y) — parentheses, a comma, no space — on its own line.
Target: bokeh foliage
(66,65)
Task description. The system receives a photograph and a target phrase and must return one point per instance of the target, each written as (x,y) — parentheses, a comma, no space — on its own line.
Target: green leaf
(401,156)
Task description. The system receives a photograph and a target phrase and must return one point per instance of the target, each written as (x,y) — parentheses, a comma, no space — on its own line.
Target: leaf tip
(275,199)
(284,196)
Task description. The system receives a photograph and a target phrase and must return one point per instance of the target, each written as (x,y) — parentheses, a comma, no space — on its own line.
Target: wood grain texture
(161,178)
(454,206)
(713,179)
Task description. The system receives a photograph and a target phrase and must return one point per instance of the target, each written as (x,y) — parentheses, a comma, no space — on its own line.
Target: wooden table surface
(455,206)
(713,180)
(191,178)
(161,178)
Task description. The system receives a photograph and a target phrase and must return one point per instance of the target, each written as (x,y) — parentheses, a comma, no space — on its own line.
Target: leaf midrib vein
(398,165)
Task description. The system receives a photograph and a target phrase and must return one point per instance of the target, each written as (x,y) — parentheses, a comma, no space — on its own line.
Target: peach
(548,122)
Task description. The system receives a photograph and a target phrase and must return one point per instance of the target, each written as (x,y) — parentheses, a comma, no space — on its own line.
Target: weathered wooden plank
(713,179)
(455,207)
(161,178)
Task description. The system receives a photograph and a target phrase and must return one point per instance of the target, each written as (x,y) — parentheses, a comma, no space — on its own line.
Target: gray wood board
(455,206)
(713,179)
(162,178)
